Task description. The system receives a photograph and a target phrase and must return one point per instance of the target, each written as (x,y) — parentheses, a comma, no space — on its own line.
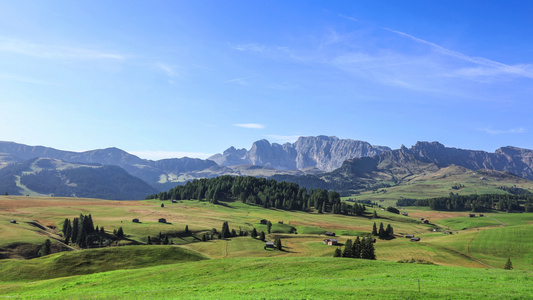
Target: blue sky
(172,78)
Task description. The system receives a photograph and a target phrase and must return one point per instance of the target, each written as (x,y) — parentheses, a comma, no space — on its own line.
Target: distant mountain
(320,152)
(156,173)
(54,177)
(401,165)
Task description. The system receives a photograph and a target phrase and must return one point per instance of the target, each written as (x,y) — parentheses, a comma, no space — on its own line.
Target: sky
(164,79)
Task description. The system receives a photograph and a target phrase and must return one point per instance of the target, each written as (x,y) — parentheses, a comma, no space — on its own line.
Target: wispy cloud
(240,80)
(349,18)
(54,51)
(250,125)
(168,69)
(157,155)
(282,138)
(489,67)
(491,131)
(249,47)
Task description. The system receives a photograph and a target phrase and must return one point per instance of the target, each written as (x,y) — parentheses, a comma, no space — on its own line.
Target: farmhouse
(471,215)
(481,215)
(269,245)
(405,214)
(280,222)
(331,242)
(174,201)
(13,221)
(425,221)
(409,236)
(264,221)
(135,220)
(415,239)
(329,233)
(162,220)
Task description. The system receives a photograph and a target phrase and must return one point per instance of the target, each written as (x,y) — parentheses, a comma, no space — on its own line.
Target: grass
(286,278)
(94,260)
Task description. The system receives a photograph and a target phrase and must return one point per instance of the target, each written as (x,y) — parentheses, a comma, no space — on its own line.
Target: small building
(162,220)
(471,215)
(435,229)
(425,221)
(331,242)
(264,221)
(174,201)
(405,214)
(415,239)
(329,233)
(270,245)
(135,220)
(280,222)
(409,236)
(13,221)
(481,215)
(421,219)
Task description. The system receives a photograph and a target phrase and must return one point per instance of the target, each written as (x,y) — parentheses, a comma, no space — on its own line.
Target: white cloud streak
(500,131)
(491,68)
(21,47)
(250,125)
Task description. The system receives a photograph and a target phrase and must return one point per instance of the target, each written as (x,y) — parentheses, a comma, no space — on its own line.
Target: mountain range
(321,161)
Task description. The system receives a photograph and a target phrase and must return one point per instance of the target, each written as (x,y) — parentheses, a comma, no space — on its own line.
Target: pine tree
(375,215)
(278,244)
(269,226)
(187,229)
(508,264)
(356,248)
(225,233)
(75,230)
(102,231)
(149,241)
(389,231)
(46,248)
(374,230)
(262,236)
(254,233)
(381,231)
(120,233)
(338,253)
(66,225)
(347,248)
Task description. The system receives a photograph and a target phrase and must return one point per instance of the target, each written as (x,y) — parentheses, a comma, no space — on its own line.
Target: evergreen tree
(46,248)
(102,231)
(120,233)
(225,233)
(254,233)
(66,225)
(166,241)
(187,229)
(375,215)
(269,226)
(389,231)
(356,248)
(374,230)
(347,248)
(75,230)
(508,264)
(233,233)
(381,231)
(338,253)
(149,241)
(278,244)
(262,236)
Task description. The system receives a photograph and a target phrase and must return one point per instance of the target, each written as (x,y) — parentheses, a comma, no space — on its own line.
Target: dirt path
(472,257)
(496,220)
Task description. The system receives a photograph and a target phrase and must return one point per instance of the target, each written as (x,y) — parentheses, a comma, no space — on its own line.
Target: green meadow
(465,264)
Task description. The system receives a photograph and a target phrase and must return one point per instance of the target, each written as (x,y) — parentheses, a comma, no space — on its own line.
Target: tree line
(81,231)
(475,203)
(268,193)
(360,248)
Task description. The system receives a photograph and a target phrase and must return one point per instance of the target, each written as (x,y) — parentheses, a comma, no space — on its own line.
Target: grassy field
(283,278)
(439,184)
(240,267)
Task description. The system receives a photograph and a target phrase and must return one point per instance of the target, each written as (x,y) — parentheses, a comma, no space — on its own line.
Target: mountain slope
(53,177)
(320,152)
